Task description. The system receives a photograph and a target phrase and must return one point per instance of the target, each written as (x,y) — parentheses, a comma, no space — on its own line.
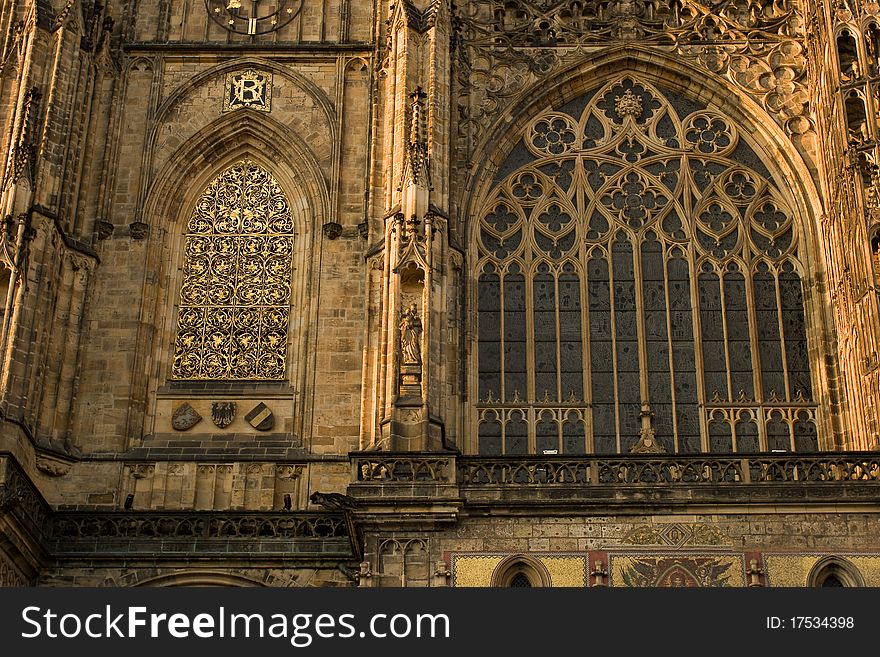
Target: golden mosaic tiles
(476,570)
(794,569)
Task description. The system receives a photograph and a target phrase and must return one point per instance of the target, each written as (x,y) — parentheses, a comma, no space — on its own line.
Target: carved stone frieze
(141,471)
(19,496)
(675,535)
(504,48)
(9,576)
(115,525)
(52,467)
(286,471)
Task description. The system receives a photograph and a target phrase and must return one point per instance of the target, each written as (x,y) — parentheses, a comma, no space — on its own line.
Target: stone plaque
(248,89)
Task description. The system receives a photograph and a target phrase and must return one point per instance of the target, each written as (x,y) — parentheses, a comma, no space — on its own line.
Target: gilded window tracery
(635,249)
(235,297)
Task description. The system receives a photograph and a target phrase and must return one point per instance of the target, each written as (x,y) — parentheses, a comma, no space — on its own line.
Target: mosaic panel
(677,570)
(675,535)
(566,571)
(474,570)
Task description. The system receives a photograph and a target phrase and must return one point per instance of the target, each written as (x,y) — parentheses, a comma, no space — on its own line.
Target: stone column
(416,253)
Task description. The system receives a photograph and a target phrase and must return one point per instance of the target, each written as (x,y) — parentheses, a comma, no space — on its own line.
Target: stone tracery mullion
(641,330)
(751,307)
(674,375)
(702,394)
(788,393)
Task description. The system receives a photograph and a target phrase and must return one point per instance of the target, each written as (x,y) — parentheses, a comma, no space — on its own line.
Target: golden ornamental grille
(235,296)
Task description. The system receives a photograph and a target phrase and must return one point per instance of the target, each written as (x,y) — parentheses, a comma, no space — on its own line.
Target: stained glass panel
(650,259)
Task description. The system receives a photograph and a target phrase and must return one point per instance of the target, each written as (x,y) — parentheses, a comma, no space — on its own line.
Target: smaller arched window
(234,307)
(872,47)
(834,572)
(520,571)
(856,117)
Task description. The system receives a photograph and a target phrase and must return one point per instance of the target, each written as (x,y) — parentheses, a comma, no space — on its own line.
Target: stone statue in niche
(411,336)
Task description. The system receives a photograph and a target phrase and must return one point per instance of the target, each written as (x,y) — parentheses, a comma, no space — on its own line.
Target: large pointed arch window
(637,258)
(235,297)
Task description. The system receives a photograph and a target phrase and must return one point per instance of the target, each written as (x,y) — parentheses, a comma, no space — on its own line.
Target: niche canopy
(253,16)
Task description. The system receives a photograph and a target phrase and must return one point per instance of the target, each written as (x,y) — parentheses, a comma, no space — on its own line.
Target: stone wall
(387,125)
(785,547)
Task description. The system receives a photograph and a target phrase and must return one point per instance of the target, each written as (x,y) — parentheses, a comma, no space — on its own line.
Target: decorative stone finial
(628,105)
(647,443)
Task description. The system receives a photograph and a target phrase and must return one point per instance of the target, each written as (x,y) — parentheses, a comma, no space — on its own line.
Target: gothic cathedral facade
(440,292)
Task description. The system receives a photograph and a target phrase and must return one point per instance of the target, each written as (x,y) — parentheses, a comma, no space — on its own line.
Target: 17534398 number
(811,623)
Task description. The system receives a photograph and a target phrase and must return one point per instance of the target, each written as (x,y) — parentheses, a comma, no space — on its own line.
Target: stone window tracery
(235,297)
(635,249)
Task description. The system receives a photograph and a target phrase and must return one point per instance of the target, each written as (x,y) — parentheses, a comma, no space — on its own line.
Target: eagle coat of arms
(223,413)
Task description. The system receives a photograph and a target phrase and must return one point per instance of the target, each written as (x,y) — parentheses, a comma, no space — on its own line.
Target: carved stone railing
(160,533)
(668,470)
(203,525)
(479,471)
(595,470)
(199,534)
(832,468)
(689,470)
(378,467)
